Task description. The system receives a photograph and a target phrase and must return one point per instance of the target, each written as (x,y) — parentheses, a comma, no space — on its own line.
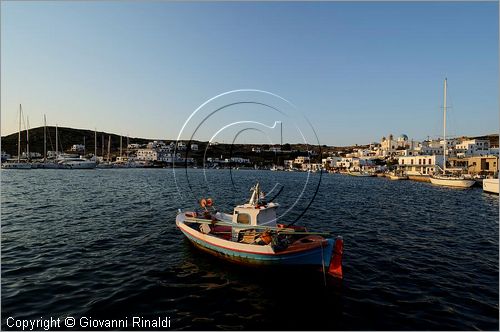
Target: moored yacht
(74,162)
(447,179)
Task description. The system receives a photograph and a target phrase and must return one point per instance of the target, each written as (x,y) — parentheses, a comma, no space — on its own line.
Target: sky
(357,71)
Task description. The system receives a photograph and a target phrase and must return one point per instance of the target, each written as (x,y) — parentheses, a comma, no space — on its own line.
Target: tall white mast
(19,135)
(120,146)
(44,139)
(95,145)
(445,146)
(57,145)
(109,148)
(27,139)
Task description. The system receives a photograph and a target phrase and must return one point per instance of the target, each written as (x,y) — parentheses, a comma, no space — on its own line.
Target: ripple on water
(103,243)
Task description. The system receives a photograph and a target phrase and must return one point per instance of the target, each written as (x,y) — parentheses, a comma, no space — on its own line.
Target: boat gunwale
(184,228)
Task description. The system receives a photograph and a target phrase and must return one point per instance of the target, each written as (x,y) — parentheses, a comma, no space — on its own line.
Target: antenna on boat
(254,199)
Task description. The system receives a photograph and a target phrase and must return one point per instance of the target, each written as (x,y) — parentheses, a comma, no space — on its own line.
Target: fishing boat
(397,175)
(251,236)
(360,173)
(491,185)
(455,180)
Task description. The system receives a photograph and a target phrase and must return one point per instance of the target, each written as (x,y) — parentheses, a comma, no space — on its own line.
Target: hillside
(67,137)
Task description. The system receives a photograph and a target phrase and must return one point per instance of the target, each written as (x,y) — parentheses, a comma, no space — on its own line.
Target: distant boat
(361,173)
(446,179)
(69,161)
(251,236)
(76,163)
(491,185)
(397,175)
(18,164)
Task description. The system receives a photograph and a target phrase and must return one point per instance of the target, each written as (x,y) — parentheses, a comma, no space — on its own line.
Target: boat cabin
(256,212)
(255,215)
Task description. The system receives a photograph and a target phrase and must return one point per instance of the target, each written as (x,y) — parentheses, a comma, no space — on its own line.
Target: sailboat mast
(44,139)
(57,144)
(445,146)
(120,146)
(27,139)
(109,148)
(95,145)
(19,135)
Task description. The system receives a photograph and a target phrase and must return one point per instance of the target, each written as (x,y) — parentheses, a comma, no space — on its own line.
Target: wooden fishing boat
(397,175)
(251,236)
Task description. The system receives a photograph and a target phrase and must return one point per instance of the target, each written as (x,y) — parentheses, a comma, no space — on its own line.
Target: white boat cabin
(254,213)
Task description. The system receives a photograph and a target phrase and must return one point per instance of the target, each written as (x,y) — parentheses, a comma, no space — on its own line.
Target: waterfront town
(474,156)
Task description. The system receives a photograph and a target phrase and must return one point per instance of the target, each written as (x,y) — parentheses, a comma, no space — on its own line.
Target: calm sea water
(103,244)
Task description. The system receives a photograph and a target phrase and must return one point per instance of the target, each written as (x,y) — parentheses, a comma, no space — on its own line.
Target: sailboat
(444,179)
(46,164)
(18,164)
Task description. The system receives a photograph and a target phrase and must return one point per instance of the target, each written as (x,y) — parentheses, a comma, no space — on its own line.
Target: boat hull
(452,182)
(396,177)
(79,165)
(16,166)
(318,254)
(491,186)
(363,175)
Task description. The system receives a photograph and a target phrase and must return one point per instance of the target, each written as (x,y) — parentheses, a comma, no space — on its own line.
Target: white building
(473,147)
(147,154)
(330,161)
(301,160)
(181,146)
(389,146)
(345,162)
(194,147)
(288,164)
(420,165)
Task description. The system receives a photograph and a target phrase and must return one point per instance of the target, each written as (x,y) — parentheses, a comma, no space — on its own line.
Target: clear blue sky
(358,70)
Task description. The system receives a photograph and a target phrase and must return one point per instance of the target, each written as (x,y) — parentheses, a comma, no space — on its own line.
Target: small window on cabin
(243,218)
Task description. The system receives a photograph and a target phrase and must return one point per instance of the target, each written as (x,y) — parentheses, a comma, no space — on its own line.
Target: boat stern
(335,267)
